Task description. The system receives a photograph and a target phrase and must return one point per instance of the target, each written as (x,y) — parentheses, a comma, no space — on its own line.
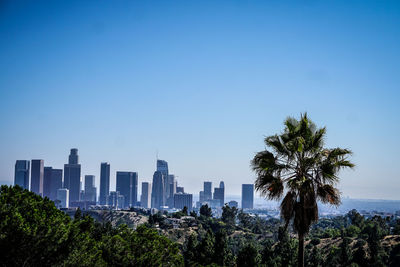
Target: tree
(205,211)
(221,252)
(229,214)
(185,211)
(248,256)
(300,166)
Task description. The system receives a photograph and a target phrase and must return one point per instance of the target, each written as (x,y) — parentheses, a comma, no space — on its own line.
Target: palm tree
(299,167)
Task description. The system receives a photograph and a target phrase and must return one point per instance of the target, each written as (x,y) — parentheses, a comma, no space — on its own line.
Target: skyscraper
(162,166)
(21,175)
(47,181)
(157,192)
(182,200)
(72,176)
(63,198)
(219,193)
(247,196)
(104,182)
(207,191)
(172,190)
(127,186)
(37,172)
(90,189)
(145,199)
(56,182)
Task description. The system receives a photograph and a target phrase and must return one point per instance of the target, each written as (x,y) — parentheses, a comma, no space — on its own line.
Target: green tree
(300,164)
(229,214)
(345,251)
(33,232)
(206,248)
(221,252)
(185,211)
(248,256)
(205,211)
(190,252)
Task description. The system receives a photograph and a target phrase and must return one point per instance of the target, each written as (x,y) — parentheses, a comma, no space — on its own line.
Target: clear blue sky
(202,82)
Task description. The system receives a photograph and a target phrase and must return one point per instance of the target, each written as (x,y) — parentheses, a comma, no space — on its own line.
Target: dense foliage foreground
(33,232)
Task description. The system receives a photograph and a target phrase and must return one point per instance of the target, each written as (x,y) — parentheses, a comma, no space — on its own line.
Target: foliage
(205,211)
(33,232)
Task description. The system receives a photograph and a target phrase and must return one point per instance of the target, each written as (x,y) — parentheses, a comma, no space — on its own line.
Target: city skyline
(199,84)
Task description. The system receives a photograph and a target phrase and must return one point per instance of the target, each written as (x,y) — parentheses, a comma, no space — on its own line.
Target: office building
(37,173)
(145,199)
(171,191)
(56,182)
(162,166)
(247,196)
(90,189)
(47,181)
(180,189)
(72,176)
(219,194)
(62,198)
(207,191)
(127,186)
(104,182)
(157,192)
(115,200)
(201,197)
(182,200)
(21,174)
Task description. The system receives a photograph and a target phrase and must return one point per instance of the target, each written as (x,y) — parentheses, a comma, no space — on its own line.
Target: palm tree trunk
(300,256)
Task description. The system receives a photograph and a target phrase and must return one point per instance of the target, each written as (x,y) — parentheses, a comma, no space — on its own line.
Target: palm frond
(328,194)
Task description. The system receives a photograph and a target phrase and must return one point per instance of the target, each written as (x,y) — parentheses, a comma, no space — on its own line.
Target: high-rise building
(247,196)
(47,181)
(116,200)
(37,173)
(56,182)
(207,191)
(157,192)
(172,190)
(104,182)
(63,198)
(219,194)
(182,200)
(127,186)
(21,175)
(72,176)
(162,166)
(73,156)
(90,189)
(145,198)
(180,189)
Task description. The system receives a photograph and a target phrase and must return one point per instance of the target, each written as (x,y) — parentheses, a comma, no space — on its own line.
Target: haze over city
(127,82)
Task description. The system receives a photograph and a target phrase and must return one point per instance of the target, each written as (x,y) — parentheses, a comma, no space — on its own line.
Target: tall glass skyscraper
(219,193)
(47,181)
(127,186)
(145,199)
(157,192)
(162,166)
(247,196)
(37,173)
(21,175)
(207,191)
(72,176)
(90,189)
(104,182)
(56,182)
